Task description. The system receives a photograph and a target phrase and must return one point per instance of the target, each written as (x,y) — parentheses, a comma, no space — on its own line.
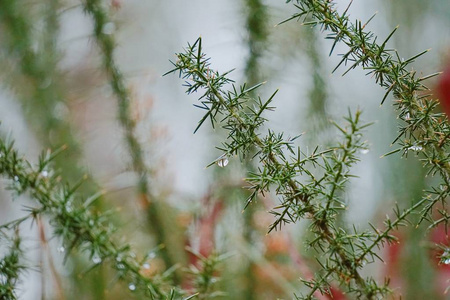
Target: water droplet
(132,287)
(16,178)
(68,207)
(447,261)
(132,254)
(44,173)
(223,162)
(152,255)
(443,187)
(106,91)
(91,222)
(61,249)
(120,266)
(407,117)
(96,259)
(118,258)
(415,148)
(146,266)
(60,111)
(364,151)
(108,28)
(213,280)
(45,83)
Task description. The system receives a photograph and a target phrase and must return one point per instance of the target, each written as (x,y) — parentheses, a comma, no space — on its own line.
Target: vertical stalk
(107,45)
(256,25)
(43,90)
(318,96)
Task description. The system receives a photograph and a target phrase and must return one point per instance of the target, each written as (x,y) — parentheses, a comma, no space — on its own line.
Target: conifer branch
(423,130)
(299,199)
(73,220)
(10,265)
(256,20)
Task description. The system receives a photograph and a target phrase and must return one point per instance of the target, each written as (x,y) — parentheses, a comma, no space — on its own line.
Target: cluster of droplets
(119,264)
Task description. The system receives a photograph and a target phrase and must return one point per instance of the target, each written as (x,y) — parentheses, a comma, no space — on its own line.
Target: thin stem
(117,82)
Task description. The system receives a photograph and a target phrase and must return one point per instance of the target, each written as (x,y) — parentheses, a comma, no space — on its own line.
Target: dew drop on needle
(223,162)
(364,151)
(96,260)
(415,148)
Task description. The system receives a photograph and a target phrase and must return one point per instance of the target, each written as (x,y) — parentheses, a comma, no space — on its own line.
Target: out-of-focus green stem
(107,45)
(318,115)
(256,24)
(44,92)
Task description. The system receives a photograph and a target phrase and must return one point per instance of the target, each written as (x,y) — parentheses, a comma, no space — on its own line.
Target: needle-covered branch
(11,265)
(422,130)
(72,219)
(106,43)
(284,168)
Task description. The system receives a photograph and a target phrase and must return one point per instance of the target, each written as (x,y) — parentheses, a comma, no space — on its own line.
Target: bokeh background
(203,207)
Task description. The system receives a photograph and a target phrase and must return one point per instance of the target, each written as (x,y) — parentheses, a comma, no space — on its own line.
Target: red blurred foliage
(439,236)
(206,227)
(116,4)
(393,263)
(443,89)
(336,294)
(206,224)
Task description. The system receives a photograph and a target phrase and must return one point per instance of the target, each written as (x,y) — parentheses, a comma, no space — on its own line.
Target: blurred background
(66,100)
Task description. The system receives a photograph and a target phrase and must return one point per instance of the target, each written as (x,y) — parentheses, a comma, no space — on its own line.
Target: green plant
(309,185)
(424,131)
(279,165)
